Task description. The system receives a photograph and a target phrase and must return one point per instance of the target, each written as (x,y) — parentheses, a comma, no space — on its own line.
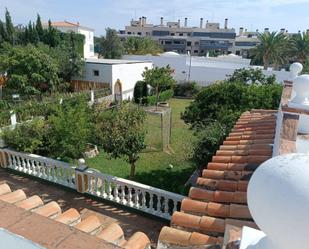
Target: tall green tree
(9,27)
(300,46)
(39,28)
(272,49)
(160,78)
(2,32)
(111,46)
(121,133)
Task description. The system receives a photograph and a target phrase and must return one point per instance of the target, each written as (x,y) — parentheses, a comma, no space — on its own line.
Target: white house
(77,28)
(120,76)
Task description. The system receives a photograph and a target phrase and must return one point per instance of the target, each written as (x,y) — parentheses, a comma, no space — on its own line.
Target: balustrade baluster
(143,200)
(159,205)
(123,194)
(109,190)
(131,203)
(96,186)
(151,208)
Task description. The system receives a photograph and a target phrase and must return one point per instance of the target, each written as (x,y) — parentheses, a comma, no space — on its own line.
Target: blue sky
(100,14)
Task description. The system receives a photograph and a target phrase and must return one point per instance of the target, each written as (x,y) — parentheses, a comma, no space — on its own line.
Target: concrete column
(81,179)
(4,161)
(13,118)
(92,96)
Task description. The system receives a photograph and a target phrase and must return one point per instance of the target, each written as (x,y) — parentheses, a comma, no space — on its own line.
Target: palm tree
(141,46)
(300,48)
(272,49)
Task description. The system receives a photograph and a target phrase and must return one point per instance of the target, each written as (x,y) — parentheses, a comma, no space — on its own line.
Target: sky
(100,14)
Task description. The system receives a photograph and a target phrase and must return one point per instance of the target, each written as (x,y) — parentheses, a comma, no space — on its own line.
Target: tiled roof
(220,198)
(64,24)
(70,229)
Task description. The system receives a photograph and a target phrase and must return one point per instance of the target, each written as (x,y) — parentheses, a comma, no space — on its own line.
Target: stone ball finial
(81,161)
(278,199)
(301,90)
(295,70)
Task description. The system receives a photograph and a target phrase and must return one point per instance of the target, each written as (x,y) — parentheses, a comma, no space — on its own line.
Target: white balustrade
(41,167)
(135,195)
(142,197)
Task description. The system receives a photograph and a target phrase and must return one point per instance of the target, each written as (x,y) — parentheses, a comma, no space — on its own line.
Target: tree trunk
(265,62)
(157,97)
(132,171)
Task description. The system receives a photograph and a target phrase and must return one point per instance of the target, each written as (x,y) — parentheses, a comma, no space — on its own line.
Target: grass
(153,166)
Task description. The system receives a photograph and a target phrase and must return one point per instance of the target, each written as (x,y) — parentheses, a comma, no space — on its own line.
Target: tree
(272,49)
(160,78)
(300,46)
(121,133)
(9,27)
(39,28)
(29,69)
(111,46)
(251,76)
(70,129)
(141,46)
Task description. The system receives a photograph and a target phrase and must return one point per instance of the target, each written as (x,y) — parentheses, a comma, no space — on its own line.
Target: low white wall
(128,74)
(203,70)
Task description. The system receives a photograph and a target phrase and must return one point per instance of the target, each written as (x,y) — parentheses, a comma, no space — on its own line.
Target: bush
(188,89)
(225,101)
(164,96)
(27,137)
(140,92)
(71,128)
(251,76)
(209,140)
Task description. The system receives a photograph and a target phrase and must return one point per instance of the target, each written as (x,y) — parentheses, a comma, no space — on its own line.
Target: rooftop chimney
(282,30)
(225,23)
(257,31)
(145,22)
(178,23)
(140,22)
(241,31)
(161,22)
(201,23)
(266,30)
(186,22)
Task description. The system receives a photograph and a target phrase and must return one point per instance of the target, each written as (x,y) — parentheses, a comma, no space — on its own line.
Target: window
(180,34)
(196,43)
(96,73)
(139,33)
(129,33)
(172,34)
(168,42)
(188,43)
(195,51)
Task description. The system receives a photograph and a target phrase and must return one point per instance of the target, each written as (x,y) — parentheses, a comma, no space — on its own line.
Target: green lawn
(153,166)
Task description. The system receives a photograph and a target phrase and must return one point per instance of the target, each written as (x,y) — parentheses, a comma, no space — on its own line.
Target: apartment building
(181,38)
(77,28)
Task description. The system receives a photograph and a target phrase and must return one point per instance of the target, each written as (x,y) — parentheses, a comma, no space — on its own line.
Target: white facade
(110,71)
(204,70)
(68,27)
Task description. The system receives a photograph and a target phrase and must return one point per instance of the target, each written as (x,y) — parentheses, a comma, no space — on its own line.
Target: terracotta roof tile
(220,197)
(49,218)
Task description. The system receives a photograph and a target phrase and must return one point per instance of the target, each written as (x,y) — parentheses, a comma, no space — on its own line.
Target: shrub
(70,129)
(225,101)
(164,96)
(27,137)
(140,92)
(188,89)
(251,76)
(209,140)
